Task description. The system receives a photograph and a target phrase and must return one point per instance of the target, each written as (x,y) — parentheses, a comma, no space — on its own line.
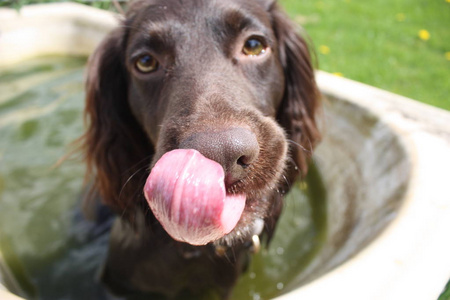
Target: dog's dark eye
(147,64)
(253,47)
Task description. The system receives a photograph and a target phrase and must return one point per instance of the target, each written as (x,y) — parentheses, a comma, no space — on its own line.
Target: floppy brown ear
(116,149)
(297,113)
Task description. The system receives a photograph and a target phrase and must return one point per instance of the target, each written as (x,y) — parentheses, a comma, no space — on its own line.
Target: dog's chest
(151,262)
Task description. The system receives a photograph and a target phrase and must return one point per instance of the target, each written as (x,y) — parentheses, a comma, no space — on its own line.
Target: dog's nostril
(244,161)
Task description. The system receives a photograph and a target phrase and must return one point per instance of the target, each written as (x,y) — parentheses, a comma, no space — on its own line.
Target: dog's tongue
(186,192)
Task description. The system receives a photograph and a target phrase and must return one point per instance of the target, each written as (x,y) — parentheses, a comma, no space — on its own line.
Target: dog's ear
(115,146)
(297,112)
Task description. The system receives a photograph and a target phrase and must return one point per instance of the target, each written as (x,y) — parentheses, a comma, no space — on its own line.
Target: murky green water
(300,233)
(52,251)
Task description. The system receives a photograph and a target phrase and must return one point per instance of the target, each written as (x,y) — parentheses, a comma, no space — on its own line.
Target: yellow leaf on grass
(324,49)
(447,54)
(424,35)
(400,17)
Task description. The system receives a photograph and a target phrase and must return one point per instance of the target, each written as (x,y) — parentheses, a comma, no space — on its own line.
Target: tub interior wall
(365,168)
(52,29)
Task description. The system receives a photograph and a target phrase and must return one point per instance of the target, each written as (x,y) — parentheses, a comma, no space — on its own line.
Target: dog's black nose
(234,148)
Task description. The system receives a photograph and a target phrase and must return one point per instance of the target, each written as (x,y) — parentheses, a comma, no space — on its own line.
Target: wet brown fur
(133,119)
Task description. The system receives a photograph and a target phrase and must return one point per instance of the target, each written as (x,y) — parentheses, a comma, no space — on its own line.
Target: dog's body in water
(179,88)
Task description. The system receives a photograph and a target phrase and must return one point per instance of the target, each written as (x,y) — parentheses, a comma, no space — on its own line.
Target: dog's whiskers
(288,184)
(145,159)
(132,176)
(300,146)
(292,161)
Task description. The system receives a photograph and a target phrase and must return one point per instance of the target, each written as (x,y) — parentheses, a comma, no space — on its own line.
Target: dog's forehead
(185,14)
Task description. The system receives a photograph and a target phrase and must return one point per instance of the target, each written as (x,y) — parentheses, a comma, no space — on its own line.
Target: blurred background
(402,46)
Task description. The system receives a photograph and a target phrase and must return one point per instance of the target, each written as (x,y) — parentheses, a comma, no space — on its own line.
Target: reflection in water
(53,252)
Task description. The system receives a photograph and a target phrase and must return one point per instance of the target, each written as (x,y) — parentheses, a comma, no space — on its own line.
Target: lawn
(402,46)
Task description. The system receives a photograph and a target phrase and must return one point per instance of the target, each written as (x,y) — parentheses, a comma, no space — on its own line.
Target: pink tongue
(186,192)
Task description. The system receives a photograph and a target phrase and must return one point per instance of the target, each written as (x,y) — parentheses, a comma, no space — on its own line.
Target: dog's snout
(234,148)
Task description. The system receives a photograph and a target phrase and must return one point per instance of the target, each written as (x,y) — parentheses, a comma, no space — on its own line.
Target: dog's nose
(234,148)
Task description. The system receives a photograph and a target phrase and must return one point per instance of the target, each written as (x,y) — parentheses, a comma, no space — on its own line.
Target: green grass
(377,42)
(446,293)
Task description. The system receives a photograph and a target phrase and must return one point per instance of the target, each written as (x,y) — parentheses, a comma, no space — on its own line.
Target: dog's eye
(147,64)
(253,47)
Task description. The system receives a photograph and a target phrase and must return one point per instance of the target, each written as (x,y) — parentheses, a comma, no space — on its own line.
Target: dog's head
(231,79)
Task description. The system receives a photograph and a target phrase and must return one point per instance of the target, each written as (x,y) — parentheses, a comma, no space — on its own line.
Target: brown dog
(221,91)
